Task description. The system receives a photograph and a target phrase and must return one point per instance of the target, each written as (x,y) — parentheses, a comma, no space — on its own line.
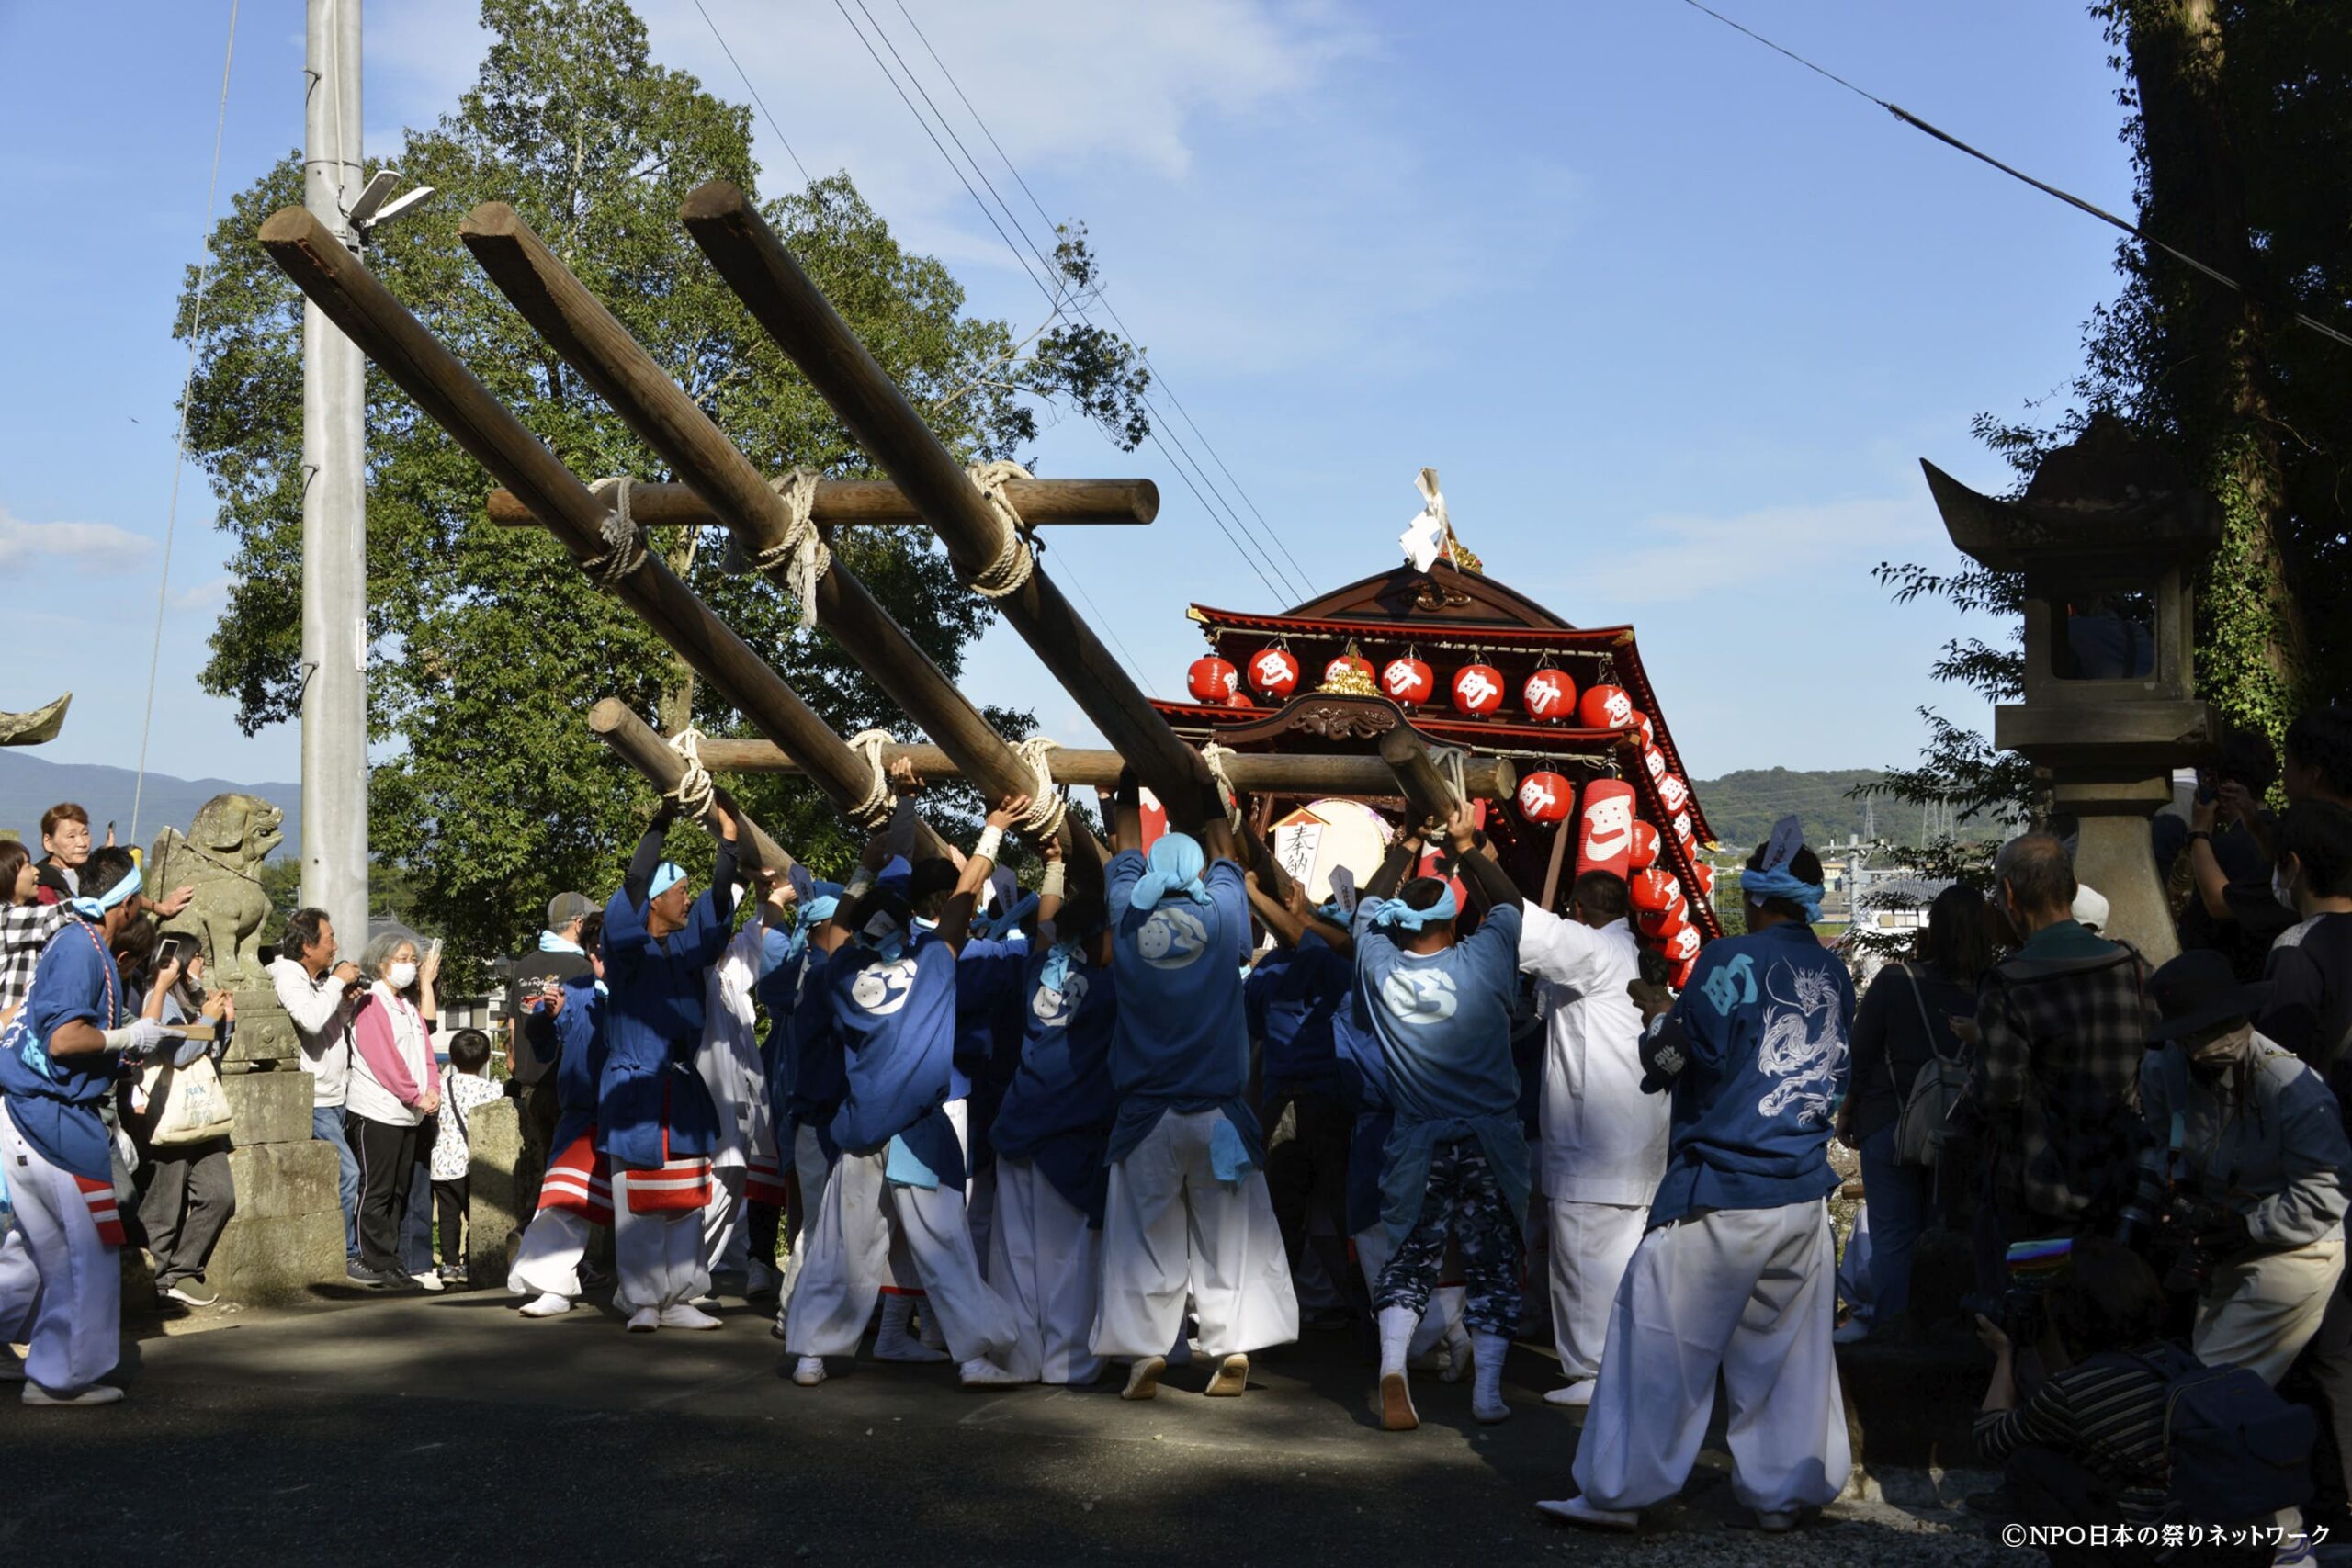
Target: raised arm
(1127,813)
(1403,856)
(1051,891)
(956,921)
(1489,887)
(638,886)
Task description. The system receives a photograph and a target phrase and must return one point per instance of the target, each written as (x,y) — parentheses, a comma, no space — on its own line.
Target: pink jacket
(392,1058)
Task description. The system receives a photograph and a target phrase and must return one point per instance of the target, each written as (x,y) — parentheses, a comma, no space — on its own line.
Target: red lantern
(1606,707)
(1213,680)
(1653,763)
(1684,830)
(1644,855)
(1408,682)
(1274,673)
(1346,662)
(1478,690)
(1549,695)
(1654,889)
(1240,699)
(1545,798)
(1673,791)
(1663,924)
(1681,978)
(1683,946)
(1703,876)
(1606,837)
(1642,723)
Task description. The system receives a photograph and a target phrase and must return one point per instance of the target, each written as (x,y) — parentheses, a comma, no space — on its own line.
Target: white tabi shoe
(1143,1378)
(94,1394)
(981,1372)
(1232,1377)
(893,1343)
(1396,1412)
(644,1320)
(684,1316)
(546,1305)
(808,1371)
(1577,1394)
(1577,1511)
(1458,1358)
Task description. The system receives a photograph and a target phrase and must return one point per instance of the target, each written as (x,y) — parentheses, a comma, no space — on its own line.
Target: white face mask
(2282,890)
(401,976)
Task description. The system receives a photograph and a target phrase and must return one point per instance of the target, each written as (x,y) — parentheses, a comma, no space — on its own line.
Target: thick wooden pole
(854,503)
(637,744)
(424,368)
(579,327)
(1254,773)
(752,260)
(1426,791)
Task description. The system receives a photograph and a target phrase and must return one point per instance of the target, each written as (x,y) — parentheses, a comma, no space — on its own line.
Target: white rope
(874,808)
(623,540)
(695,788)
(1214,755)
(1046,806)
(1015,560)
(802,550)
(1449,760)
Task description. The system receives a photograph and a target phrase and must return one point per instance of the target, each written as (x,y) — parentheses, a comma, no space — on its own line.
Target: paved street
(447,1429)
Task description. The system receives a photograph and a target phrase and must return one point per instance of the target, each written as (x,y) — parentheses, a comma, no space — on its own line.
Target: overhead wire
(746,79)
(180,456)
(1949,139)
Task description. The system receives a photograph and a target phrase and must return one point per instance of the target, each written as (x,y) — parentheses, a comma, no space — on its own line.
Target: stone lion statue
(221,857)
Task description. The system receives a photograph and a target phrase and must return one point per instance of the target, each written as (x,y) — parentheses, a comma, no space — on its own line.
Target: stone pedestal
(287,1232)
(494,1137)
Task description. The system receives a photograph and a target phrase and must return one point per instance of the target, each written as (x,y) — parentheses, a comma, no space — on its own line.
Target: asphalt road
(448,1429)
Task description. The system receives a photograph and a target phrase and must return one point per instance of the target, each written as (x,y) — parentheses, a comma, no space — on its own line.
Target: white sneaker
(981,1372)
(546,1305)
(1396,1412)
(1853,1331)
(1143,1378)
(94,1394)
(1232,1377)
(428,1280)
(808,1371)
(644,1320)
(1577,1511)
(1577,1394)
(684,1316)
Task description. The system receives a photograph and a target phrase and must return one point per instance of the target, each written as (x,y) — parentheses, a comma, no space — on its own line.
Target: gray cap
(566,907)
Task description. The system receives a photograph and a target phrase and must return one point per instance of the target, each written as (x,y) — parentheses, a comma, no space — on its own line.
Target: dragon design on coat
(1805,1063)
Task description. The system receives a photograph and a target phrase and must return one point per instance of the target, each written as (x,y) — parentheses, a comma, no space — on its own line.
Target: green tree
(488,646)
(2234,110)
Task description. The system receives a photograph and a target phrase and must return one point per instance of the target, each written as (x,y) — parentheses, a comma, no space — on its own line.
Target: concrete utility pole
(334,504)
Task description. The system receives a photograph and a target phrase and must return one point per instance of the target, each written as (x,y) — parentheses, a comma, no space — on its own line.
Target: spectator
(1904,1021)
(65,845)
(2310,970)
(2088,1447)
(2256,1170)
(319,993)
(186,1193)
(466,1086)
(26,922)
(2318,762)
(541,973)
(2060,1031)
(393,1091)
(2230,838)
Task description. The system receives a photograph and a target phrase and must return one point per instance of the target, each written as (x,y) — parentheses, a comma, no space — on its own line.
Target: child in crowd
(465,1085)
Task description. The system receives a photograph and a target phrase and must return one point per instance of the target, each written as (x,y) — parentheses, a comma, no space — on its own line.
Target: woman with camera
(186,1193)
(393,1089)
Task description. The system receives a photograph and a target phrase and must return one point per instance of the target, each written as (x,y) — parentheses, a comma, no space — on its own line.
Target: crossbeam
(637,744)
(879,504)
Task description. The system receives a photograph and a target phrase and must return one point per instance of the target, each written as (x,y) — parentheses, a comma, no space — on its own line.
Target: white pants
(658,1255)
(726,1239)
(1171,1228)
(1748,1292)
(1443,1317)
(849,1245)
(1047,1265)
(547,1263)
(1591,1244)
(979,1214)
(809,1168)
(61,1287)
(2260,1313)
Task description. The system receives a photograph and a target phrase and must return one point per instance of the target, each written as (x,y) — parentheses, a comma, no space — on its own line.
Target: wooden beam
(579,327)
(424,368)
(728,226)
(637,744)
(1427,792)
(1253,772)
(877,502)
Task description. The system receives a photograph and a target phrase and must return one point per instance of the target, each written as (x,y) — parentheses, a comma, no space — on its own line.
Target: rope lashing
(874,808)
(1046,806)
(695,788)
(624,550)
(1214,755)
(1015,560)
(1449,761)
(802,550)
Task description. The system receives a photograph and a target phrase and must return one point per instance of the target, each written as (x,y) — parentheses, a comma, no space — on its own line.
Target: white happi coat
(729,1061)
(1604,1140)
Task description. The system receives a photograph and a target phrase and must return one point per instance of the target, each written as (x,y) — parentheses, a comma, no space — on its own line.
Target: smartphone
(433,955)
(174,947)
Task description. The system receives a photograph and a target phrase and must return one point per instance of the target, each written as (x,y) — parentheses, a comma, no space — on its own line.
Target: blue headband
(116,896)
(1173,867)
(1395,913)
(665,877)
(1009,920)
(1774,880)
(1060,958)
(816,911)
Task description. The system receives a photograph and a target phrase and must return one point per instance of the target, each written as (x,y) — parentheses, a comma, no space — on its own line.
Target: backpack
(2237,1452)
(1925,1122)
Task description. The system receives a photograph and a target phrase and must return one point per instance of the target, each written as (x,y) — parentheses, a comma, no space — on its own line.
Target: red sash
(673,1186)
(763,1182)
(579,1179)
(99,1197)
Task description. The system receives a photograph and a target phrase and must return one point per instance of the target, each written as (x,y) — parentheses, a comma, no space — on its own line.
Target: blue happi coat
(1761,1035)
(1181,1040)
(1293,996)
(989,999)
(650,1103)
(54,1101)
(574,1039)
(895,1019)
(1059,1108)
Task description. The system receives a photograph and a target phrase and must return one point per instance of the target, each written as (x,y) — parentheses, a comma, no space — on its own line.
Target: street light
(372,209)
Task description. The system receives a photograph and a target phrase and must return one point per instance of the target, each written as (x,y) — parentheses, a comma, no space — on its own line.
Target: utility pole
(334,504)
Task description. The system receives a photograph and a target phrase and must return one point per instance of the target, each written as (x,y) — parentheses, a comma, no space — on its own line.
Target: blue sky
(1674,319)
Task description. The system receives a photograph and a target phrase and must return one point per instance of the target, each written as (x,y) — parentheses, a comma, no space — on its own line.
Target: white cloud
(1675,556)
(203,595)
(95,547)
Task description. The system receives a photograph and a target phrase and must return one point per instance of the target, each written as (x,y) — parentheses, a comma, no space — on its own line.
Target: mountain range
(30,786)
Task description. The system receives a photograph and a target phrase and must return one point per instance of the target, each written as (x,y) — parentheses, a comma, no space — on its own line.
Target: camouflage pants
(1463,1202)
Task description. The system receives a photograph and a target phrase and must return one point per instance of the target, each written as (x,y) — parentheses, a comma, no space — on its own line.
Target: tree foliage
(488,647)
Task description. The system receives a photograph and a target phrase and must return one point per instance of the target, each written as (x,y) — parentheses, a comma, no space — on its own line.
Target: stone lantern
(2106,536)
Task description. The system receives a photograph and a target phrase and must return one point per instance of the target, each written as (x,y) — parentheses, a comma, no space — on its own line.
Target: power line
(180,456)
(756,93)
(1949,139)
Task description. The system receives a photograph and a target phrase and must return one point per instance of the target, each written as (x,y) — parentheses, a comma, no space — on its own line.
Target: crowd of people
(1159,1111)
